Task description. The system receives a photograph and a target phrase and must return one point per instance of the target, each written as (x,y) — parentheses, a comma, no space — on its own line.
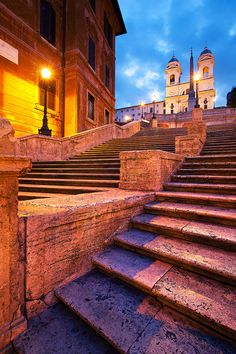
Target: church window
(171,108)
(172,79)
(205,72)
(47,21)
(151,109)
(205,103)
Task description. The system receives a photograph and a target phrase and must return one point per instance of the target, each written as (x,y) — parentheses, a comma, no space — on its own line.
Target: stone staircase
(167,285)
(95,170)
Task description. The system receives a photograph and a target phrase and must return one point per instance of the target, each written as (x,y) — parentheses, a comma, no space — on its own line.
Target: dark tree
(231,98)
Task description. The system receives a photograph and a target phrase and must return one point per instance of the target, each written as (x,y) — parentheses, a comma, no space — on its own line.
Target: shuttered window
(91,101)
(91,53)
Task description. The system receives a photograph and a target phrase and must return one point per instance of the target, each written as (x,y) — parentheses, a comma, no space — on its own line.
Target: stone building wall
(23,53)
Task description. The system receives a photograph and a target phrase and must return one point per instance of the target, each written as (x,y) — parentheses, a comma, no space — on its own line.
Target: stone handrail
(42,148)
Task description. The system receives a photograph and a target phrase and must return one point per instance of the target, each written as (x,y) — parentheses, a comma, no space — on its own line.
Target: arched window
(205,72)
(205,103)
(171,108)
(172,79)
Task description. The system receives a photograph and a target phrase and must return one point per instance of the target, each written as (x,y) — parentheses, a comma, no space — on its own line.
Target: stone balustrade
(43,148)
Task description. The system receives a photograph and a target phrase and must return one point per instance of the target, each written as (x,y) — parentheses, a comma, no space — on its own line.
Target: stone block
(188,145)
(197,114)
(146,170)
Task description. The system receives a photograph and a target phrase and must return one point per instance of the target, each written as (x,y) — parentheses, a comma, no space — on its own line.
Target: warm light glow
(45,73)
(127,118)
(142,104)
(196,76)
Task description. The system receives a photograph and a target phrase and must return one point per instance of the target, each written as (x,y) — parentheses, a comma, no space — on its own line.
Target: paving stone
(60,331)
(170,332)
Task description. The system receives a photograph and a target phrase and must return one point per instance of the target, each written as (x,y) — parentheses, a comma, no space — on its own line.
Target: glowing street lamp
(142,105)
(196,79)
(45,75)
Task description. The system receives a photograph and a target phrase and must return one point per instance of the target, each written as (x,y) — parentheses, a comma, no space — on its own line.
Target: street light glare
(142,104)
(196,76)
(45,73)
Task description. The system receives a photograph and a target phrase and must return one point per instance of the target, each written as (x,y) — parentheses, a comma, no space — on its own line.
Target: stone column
(12,321)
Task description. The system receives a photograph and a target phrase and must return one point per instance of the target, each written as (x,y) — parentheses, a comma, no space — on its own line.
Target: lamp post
(45,74)
(196,79)
(153,113)
(142,105)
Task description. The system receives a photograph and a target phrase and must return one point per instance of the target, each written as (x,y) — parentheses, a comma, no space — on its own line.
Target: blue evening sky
(156,28)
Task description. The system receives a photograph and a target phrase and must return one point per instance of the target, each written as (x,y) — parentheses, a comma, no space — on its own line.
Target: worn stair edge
(145,274)
(195,231)
(198,257)
(218,215)
(220,200)
(200,187)
(134,322)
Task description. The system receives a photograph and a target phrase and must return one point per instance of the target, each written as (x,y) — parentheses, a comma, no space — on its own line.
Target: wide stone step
(212,158)
(94,170)
(211,165)
(207,171)
(66,182)
(223,216)
(134,322)
(220,200)
(220,236)
(69,176)
(203,188)
(58,330)
(147,274)
(218,152)
(34,195)
(210,261)
(220,179)
(69,189)
(79,159)
(70,164)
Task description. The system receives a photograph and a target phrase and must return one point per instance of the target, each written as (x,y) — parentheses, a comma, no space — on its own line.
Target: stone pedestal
(12,321)
(147,170)
(197,114)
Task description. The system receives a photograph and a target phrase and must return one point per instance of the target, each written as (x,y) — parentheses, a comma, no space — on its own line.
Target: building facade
(76,41)
(180,96)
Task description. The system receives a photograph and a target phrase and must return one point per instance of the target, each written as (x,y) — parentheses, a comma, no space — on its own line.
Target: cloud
(131,70)
(146,79)
(163,46)
(232,31)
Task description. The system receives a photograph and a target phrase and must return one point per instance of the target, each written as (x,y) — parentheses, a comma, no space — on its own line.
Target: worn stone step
(203,188)
(71,176)
(64,182)
(207,260)
(207,171)
(218,152)
(205,213)
(70,164)
(96,170)
(88,159)
(212,158)
(220,236)
(146,273)
(58,330)
(63,189)
(134,322)
(220,179)
(205,165)
(219,200)
(34,195)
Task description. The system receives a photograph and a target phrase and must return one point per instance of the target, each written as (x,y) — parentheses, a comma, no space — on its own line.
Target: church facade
(180,96)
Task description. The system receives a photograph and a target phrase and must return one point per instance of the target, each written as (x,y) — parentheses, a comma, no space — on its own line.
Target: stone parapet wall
(43,148)
(59,236)
(147,170)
